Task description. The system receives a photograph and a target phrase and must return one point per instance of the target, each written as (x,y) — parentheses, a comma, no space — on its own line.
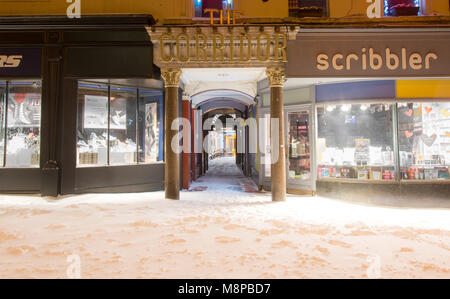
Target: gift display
(299,146)
(424,140)
(356,142)
(129,136)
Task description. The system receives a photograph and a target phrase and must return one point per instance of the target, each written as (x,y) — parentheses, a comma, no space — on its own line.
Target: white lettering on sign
(10,61)
(374,9)
(371,60)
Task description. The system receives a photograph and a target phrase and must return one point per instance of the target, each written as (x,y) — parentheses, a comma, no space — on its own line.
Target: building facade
(361,92)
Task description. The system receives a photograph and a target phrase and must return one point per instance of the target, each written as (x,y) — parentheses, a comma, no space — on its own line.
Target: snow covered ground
(222,232)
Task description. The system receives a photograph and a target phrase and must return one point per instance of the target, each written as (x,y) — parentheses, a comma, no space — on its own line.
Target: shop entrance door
(300,150)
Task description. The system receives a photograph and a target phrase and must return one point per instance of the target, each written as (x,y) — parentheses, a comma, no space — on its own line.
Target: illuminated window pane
(23,124)
(424,140)
(299,146)
(2,122)
(356,142)
(92,125)
(122,141)
(390,5)
(149,126)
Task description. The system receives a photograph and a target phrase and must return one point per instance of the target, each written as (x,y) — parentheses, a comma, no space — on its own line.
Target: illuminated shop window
(299,146)
(201,5)
(424,140)
(2,122)
(401,7)
(356,141)
(117,126)
(150,133)
(20,117)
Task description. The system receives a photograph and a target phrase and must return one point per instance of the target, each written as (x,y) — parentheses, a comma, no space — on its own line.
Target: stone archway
(235,46)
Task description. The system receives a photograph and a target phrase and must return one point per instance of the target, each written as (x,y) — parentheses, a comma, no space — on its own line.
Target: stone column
(276,78)
(171,78)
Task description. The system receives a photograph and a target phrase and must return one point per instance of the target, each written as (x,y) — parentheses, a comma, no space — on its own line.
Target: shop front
(20,118)
(81,106)
(379,104)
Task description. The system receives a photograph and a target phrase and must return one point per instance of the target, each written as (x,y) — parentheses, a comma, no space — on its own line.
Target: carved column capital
(171,76)
(276,76)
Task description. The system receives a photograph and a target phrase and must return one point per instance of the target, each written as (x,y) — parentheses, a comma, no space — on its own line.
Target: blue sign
(24,62)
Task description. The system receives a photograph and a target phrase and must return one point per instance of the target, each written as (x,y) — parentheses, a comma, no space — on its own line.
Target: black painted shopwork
(43,63)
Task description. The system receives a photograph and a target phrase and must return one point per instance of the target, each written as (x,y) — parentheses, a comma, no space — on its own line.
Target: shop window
(355,141)
(2,122)
(149,126)
(308,8)
(21,121)
(299,145)
(92,132)
(123,142)
(131,133)
(201,5)
(424,140)
(401,7)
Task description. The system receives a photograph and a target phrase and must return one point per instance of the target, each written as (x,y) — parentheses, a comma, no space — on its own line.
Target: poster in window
(362,151)
(118,113)
(151,132)
(24,110)
(95,112)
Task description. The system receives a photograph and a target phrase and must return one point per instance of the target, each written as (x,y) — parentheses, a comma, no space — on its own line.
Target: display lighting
(364,107)
(346,108)
(330,108)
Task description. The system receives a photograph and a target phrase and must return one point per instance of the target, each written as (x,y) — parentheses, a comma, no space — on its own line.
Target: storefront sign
(20,62)
(219,47)
(369,54)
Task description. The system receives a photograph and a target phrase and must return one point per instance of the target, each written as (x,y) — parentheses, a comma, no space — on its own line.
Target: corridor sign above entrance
(210,46)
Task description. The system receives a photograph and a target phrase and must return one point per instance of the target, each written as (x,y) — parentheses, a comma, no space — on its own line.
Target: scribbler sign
(20,62)
(369,54)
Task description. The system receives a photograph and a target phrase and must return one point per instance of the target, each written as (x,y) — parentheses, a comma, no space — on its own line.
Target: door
(264,150)
(300,149)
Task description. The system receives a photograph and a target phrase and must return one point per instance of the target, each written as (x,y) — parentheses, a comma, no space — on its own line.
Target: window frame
(108,129)
(4,141)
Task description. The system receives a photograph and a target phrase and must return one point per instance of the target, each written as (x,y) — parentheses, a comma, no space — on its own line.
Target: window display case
(122,139)
(299,162)
(424,140)
(23,121)
(2,123)
(117,125)
(92,132)
(149,126)
(356,141)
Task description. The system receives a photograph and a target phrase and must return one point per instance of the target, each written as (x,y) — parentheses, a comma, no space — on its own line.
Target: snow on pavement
(222,232)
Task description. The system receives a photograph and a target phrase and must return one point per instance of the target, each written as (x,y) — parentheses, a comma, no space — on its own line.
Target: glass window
(23,121)
(92,131)
(424,140)
(201,5)
(149,126)
(122,141)
(266,158)
(355,141)
(299,146)
(133,133)
(2,122)
(401,7)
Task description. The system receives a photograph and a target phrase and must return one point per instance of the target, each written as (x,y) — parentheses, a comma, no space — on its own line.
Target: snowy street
(225,231)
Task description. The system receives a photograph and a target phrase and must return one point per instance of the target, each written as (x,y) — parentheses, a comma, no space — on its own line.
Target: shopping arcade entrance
(178,48)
